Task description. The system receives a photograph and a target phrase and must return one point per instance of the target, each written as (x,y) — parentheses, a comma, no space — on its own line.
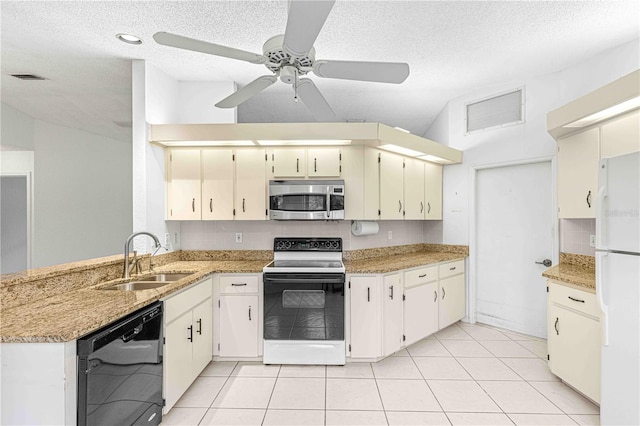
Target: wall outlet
(167,239)
(238,237)
(592,240)
(175,239)
(390,235)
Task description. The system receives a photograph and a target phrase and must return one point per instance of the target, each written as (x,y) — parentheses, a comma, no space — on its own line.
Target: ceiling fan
(291,55)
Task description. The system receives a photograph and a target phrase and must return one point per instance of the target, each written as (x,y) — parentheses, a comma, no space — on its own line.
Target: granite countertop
(383,264)
(70,315)
(576,270)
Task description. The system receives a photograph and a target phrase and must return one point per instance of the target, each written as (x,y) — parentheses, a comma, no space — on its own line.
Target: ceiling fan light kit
(291,55)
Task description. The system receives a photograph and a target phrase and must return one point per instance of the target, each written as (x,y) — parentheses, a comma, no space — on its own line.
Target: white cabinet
(452,293)
(620,135)
(365,319)
(392,329)
(420,303)
(574,338)
(433,191)
(414,205)
(288,162)
(217,184)
(317,162)
(324,162)
(184,189)
(238,316)
(578,157)
(188,338)
(391,186)
(251,185)
(371,184)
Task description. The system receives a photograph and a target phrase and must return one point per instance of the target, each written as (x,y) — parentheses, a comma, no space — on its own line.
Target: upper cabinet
(305,162)
(217,184)
(324,162)
(433,191)
(414,205)
(184,184)
(251,185)
(288,162)
(391,186)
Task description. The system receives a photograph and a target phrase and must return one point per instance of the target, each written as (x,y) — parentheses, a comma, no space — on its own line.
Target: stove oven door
(304,307)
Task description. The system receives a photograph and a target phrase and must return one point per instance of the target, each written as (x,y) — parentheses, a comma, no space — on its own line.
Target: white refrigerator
(618,287)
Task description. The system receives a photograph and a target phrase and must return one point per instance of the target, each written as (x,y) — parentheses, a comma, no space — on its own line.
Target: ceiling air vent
(28,77)
(506,109)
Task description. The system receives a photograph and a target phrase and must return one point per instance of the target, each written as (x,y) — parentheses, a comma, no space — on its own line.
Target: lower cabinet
(188,338)
(238,313)
(392,311)
(574,338)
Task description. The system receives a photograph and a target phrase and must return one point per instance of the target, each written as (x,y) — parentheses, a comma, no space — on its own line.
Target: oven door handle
(328,202)
(305,280)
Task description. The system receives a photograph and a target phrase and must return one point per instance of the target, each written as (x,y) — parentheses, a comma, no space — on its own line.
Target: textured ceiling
(452,47)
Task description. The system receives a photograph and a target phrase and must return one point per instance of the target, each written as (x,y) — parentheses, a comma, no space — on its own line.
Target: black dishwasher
(120,371)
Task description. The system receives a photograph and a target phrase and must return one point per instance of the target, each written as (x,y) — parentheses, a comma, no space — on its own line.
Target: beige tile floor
(463,375)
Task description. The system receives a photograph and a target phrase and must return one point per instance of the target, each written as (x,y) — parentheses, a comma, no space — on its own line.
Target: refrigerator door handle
(601,231)
(601,258)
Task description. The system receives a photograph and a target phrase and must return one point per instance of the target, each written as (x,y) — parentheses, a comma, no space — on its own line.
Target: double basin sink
(149,282)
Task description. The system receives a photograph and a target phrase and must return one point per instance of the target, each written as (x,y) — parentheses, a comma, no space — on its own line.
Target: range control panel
(307,244)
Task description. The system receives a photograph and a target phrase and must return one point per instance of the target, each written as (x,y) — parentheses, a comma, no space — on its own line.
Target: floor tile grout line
(375,380)
(275,383)
(218,393)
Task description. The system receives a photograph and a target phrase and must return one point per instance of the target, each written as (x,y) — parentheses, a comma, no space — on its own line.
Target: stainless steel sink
(138,285)
(166,277)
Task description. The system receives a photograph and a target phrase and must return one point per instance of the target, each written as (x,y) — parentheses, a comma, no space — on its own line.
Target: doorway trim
(472,290)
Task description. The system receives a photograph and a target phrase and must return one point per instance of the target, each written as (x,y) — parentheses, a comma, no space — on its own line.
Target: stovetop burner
(302,255)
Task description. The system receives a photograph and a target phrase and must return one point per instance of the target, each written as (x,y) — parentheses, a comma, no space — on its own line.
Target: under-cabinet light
(435,159)
(208,143)
(401,150)
(402,130)
(606,113)
(309,142)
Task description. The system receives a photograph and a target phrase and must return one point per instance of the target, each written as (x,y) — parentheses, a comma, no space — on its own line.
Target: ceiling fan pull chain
(295,87)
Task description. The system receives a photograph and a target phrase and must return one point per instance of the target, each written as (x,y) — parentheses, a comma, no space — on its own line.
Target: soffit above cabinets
(375,135)
(615,98)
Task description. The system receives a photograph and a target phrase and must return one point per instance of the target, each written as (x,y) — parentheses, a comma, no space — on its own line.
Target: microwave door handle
(328,202)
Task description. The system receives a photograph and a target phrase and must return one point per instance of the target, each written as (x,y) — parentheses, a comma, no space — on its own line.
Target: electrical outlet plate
(592,240)
(390,235)
(238,237)
(167,239)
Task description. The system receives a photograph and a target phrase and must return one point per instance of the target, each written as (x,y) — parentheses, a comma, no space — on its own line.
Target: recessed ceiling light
(128,38)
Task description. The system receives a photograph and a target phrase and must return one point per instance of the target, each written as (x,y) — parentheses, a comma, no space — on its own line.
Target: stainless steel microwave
(306,199)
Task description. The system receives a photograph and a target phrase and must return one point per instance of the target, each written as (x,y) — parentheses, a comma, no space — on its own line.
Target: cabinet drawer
(239,284)
(578,300)
(174,306)
(419,276)
(450,269)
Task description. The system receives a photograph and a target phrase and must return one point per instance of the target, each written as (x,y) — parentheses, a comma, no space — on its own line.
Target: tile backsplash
(575,236)
(259,235)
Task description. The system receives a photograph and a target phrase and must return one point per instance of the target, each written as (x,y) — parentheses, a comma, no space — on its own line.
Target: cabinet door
(392,314)
(391,186)
(574,349)
(239,326)
(620,136)
(178,372)
(578,157)
(433,191)
(365,317)
(251,185)
(353,175)
(452,304)
(202,336)
(323,162)
(371,184)
(217,184)
(288,162)
(420,312)
(184,185)
(414,205)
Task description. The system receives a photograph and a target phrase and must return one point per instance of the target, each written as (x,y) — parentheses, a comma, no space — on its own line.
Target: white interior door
(514,229)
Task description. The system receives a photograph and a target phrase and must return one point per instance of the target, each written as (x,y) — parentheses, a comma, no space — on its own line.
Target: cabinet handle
(368,294)
(315,165)
(399,206)
(589,199)
(421,206)
(199,331)
(391,292)
(435,295)
(193,204)
(211,205)
(422,276)
(297,165)
(556,326)
(243,205)
(452,269)
(576,300)
(428,207)
(249,313)
(238,284)
(190,338)
(443,293)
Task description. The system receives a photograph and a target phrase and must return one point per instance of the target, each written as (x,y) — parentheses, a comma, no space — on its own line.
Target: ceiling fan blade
(182,42)
(304,22)
(251,89)
(382,72)
(314,101)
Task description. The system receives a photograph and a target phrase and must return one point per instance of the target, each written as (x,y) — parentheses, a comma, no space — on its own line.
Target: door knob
(546,262)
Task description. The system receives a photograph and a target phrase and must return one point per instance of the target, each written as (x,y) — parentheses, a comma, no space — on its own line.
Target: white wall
(16,132)
(523,142)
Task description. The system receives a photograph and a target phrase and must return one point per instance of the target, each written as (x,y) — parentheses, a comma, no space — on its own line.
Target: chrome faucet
(127,265)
